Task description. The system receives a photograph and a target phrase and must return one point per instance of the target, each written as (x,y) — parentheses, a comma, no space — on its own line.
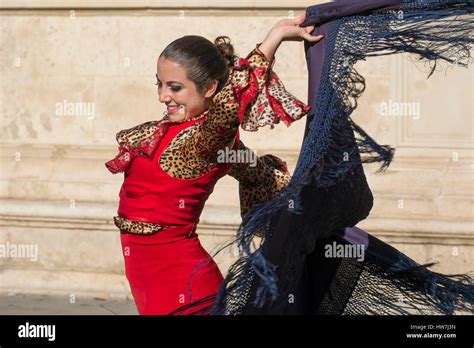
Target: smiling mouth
(172,109)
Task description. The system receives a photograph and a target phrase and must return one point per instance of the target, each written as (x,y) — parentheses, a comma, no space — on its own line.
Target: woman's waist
(144,226)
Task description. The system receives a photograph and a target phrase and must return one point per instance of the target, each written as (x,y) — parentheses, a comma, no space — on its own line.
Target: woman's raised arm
(253,96)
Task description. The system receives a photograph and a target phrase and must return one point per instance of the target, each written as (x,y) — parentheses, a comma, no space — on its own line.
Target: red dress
(159,266)
(170,170)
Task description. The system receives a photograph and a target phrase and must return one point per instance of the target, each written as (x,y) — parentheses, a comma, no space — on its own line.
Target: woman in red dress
(170,166)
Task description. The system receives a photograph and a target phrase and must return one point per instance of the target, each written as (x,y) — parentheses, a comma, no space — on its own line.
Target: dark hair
(202,60)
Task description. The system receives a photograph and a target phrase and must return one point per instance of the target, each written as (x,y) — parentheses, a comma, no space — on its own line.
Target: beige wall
(56,193)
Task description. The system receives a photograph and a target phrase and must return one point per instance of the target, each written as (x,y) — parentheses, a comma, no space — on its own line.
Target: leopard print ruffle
(136,135)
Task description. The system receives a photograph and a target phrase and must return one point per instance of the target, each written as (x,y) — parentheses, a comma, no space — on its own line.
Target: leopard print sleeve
(264,100)
(219,128)
(260,178)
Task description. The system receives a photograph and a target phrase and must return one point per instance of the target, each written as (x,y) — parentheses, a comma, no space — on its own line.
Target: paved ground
(20,304)
(15,304)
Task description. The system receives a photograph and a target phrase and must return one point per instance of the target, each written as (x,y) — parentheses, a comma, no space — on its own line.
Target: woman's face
(180,94)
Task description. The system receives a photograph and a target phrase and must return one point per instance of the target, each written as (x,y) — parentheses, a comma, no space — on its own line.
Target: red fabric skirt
(168,269)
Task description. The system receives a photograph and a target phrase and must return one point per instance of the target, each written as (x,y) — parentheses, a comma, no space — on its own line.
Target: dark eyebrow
(169,82)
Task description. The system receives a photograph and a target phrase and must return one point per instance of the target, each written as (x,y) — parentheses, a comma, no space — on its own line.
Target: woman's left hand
(289,30)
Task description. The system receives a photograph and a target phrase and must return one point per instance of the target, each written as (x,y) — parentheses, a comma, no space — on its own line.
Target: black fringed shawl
(328,190)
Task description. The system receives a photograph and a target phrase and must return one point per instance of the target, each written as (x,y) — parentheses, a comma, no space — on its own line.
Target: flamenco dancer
(288,272)
(170,166)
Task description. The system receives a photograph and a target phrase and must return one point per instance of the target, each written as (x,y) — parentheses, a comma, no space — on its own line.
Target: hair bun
(225,48)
